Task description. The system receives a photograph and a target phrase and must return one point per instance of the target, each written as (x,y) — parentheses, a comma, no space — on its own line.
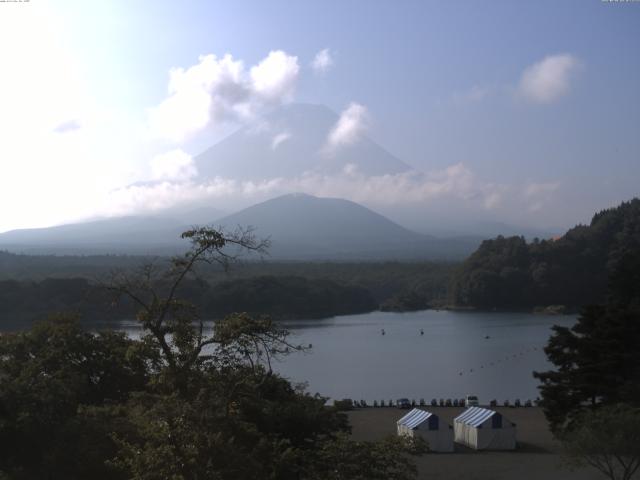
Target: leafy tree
(597,360)
(571,270)
(181,403)
(608,439)
(288,296)
(385,460)
(46,375)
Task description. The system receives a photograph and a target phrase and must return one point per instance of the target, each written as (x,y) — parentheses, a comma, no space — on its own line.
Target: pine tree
(597,360)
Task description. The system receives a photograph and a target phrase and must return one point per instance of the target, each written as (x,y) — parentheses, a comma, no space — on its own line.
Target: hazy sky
(527,112)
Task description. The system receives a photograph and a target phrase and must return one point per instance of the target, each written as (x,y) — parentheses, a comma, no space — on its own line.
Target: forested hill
(572,271)
(281,297)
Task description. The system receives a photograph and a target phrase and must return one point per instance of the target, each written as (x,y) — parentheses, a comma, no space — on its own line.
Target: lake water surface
(351,358)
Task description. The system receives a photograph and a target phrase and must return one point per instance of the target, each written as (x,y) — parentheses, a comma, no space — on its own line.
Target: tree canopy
(182,402)
(597,360)
(608,439)
(571,270)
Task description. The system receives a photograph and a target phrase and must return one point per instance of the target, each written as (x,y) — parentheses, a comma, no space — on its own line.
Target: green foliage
(287,296)
(385,460)
(406,301)
(343,405)
(282,297)
(32,286)
(608,439)
(46,375)
(597,360)
(180,403)
(571,270)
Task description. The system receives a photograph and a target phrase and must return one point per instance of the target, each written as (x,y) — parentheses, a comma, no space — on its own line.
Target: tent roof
(474,416)
(414,418)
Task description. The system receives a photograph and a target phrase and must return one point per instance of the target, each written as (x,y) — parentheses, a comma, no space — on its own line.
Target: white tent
(483,429)
(439,435)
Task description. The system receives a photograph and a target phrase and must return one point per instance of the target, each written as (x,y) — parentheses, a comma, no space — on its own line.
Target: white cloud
(537,195)
(349,127)
(453,182)
(274,77)
(216,90)
(492,199)
(455,186)
(322,61)
(135,199)
(548,79)
(474,94)
(390,189)
(537,189)
(173,165)
(279,138)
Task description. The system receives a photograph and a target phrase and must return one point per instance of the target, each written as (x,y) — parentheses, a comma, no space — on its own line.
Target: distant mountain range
(124,235)
(300,226)
(156,234)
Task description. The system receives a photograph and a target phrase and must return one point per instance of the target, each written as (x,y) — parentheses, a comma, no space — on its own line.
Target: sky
(523,112)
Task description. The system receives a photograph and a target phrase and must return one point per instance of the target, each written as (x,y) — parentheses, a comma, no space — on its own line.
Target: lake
(351,358)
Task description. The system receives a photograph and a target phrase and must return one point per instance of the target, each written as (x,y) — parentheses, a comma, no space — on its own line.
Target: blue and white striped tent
(439,435)
(484,429)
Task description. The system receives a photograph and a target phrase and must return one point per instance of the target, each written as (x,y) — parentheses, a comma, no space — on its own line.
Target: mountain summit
(290,141)
(302,226)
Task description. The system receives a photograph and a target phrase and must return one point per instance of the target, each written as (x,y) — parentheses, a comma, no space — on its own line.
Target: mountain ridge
(305,226)
(301,226)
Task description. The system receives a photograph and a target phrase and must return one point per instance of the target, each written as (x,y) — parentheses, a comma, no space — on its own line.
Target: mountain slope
(305,227)
(114,235)
(301,227)
(289,142)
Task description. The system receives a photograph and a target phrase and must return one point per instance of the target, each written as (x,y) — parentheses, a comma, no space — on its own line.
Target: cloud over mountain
(217,90)
(173,165)
(349,127)
(405,188)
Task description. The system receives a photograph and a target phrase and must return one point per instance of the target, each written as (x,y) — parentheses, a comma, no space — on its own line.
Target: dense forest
(33,286)
(571,271)
(382,279)
(280,297)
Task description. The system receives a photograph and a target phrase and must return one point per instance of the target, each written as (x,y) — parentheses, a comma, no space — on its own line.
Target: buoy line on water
(500,360)
(490,364)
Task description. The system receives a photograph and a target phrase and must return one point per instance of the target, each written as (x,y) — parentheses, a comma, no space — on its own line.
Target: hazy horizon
(107,108)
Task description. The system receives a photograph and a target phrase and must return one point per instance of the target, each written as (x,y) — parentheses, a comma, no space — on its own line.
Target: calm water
(351,358)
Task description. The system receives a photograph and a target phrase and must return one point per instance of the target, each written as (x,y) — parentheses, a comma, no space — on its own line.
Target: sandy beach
(537,456)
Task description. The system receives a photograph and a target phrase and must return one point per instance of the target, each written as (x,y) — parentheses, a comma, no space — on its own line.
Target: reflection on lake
(351,358)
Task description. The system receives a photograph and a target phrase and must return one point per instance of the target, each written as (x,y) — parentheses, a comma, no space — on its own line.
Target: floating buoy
(421,332)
